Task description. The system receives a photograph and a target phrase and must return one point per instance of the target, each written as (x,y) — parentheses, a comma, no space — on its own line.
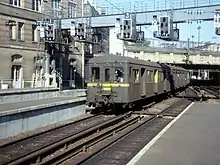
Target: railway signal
(164,27)
(50,32)
(217,22)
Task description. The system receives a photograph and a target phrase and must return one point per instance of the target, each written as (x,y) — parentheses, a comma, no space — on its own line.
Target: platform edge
(137,157)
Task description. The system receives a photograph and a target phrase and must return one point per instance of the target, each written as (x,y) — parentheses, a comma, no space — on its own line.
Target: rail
(75,138)
(19,150)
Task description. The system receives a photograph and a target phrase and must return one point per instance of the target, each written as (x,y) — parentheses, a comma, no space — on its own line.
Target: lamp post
(82,48)
(74,76)
(199,27)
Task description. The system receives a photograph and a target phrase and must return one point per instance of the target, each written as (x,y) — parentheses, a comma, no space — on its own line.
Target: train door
(107,74)
(156,79)
(143,82)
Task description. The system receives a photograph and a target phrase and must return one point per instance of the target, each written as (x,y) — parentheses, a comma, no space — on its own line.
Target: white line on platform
(136,158)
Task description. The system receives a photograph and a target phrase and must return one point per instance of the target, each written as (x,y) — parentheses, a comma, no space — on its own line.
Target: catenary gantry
(180,15)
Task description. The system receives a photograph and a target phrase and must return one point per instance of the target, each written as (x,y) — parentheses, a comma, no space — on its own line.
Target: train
(115,80)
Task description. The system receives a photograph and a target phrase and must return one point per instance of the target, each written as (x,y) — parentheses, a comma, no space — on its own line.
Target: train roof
(123,59)
(173,67)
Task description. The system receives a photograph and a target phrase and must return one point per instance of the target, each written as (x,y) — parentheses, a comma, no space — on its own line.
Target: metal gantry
(180,15)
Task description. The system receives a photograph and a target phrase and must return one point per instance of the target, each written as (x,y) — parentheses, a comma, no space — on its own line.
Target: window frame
(55,4)
(17,3)
(20,34)
(134,76)
(72,9)
(123,72)
(109,73)
(12,32)
(34,33)
(99,74)
(36,5)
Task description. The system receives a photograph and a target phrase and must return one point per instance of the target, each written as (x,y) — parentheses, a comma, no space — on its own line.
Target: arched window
(16,58)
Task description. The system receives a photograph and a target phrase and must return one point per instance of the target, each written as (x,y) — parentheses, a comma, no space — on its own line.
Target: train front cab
(108,83)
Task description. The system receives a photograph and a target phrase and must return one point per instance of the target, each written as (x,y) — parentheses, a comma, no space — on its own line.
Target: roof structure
(121,59)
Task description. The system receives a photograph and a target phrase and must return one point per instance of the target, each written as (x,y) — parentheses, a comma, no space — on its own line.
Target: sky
(186,30)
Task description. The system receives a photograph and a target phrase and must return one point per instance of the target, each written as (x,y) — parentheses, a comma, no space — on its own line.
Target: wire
(151,5)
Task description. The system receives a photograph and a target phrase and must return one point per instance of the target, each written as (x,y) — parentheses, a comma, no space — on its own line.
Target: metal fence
(177,45)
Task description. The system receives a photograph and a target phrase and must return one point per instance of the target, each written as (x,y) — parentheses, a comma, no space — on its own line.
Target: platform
(191,139)
(20,117)
(24,106)
(25,90)
(18,95)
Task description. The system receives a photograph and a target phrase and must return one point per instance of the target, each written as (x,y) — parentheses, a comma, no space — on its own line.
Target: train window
(161,77)
(148,76)
(107,75)
(165,74)
(119,74)
(142,72)
(95,73)
(136,75)
(152,76)
(130,74)
(156,76)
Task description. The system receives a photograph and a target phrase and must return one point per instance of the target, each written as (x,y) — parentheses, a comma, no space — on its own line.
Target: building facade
(19,39)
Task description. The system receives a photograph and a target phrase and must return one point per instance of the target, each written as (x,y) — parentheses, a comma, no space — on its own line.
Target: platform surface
(23,90)
(11,108)
(194,139)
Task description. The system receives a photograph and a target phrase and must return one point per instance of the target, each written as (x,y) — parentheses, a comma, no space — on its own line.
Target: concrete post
(83,65)
(21,78)
(46,67)
(61,72)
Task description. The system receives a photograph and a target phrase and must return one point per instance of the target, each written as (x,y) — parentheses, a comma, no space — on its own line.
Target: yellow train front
(117,80)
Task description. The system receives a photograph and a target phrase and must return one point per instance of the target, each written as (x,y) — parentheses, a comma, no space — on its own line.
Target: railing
(12,84)
(20,84)
(152,43)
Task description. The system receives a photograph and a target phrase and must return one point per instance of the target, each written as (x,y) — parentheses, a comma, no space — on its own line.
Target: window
(55,4)
(142,72)
(136,75)
(71,9)
(36,5)
(156,76)
(20,30)
(15,72)
(107,75)
(161,77)
(130,74)
(149,76)
(16,58)
(12,32)
(95,74)
(34,33)
(16,2)
(119,74)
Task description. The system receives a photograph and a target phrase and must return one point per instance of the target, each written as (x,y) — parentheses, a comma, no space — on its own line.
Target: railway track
(86,141)
(104,146)
(28,149)
(120,149)
(211,92)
